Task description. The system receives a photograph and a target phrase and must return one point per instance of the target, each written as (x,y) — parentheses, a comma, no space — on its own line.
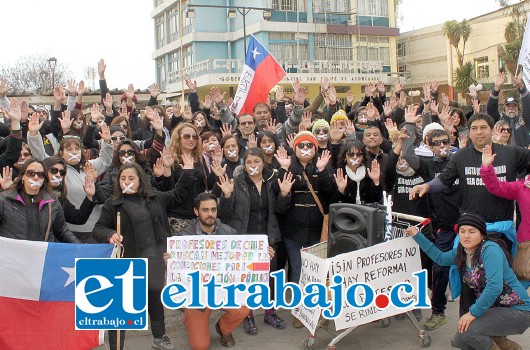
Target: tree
(32,73)
(513,34)
(464,76)
(455,32)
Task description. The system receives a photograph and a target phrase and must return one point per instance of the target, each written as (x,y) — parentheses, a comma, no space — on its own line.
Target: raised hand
(280,94)
(226,185)
(462,141)
(90,171)
(71,87)
(350,97)
(496,137)
(168,157)
(399,86)
(387,109)
(434,107)
(158,122)
(426,91)
(252,141)
(105,133)
(158,167)
(381,88)
(487,156)
(306,120)
(272,126)
(6,180)
(95,113)
(24,110)
(410,115)
(217,169)
(101,69)
(290,140)
(402,101)
(286,184)
(81,88)
(368,89)
(444,115)
(332,95)
(107,101)
(518,83)
(283,159)
(434,86)
(323,160)
(86,154)
(187,115)
(324,85)
(499,82)
(192,85)
(3,87)
(187,162)
(226,130)
(217,96)
(393,101)
(390,125)
(89,187)
(58,94)
(335,133)
(476,105)
(375,172)
(153,89)
(34,124)
(207,103)
(350,128)
(299,96)
(66,121)
(129,93)
(341,180)
(371,111)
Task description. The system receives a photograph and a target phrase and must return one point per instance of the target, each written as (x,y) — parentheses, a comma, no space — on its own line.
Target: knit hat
(305,136)
(474,220)
(430,127)
(319,124)
(339,115)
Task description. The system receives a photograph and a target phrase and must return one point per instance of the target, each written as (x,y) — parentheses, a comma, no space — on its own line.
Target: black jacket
(14,221)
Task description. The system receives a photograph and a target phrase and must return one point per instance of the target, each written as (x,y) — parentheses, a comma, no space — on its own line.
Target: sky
(79,33)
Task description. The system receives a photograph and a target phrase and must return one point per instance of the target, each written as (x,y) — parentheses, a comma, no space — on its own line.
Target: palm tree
(464,76)
(455,32)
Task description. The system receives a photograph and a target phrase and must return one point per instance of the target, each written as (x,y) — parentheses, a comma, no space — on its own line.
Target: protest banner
(381,266)
(227,259)
(524,54)
(314,270)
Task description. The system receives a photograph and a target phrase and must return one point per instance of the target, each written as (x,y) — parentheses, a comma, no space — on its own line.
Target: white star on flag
(71,275)
(255,53)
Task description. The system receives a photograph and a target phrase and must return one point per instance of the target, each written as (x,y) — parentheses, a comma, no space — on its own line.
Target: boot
(506,344)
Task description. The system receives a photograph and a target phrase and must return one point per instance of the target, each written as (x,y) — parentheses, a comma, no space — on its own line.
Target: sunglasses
(54,171)
(32,173)
(118,138)
(71,137)
(129,152)
(440,142)
(189,136)
(506,130)
(355,154)
(305,145)
(323,131)
(246,123)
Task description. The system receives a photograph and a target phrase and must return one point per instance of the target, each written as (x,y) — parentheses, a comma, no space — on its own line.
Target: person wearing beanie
(341,118)
(300,217)
(502,305)
(321,131)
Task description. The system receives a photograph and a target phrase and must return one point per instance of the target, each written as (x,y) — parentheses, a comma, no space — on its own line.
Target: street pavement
(401,334)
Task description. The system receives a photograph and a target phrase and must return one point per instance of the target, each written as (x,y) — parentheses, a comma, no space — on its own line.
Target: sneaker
(226,340)
(163,343)
(506,344)
(250,326)
(435,322)
(274,320)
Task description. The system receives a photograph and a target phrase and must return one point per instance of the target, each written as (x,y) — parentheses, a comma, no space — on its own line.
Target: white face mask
(268,149)
(232,154)
(34,183)
(79,125)
(74,156)
(354,161)
(306,152)
(199,123)
(253,171)
(56,180)
(128,188)
(126,159)
(322,137)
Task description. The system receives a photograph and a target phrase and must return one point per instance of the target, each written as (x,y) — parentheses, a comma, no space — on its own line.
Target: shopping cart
(320,250)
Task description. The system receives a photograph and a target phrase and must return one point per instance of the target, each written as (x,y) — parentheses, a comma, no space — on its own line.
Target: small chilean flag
(260,73)
(37,308)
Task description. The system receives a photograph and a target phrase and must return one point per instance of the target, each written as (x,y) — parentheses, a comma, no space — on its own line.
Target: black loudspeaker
(354,226)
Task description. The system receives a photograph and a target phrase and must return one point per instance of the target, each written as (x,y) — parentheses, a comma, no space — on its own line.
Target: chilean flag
(260,73)
(37,294)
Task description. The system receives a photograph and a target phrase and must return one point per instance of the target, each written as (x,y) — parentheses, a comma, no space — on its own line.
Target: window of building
(482,67)
(401,49)
(285,52)
(160,31)
(331,6)
(335,47)
(372,8)
(289,5)
(161,71)
(173,23)
(376,54)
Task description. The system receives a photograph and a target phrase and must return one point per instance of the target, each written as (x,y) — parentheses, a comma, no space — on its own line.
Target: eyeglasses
(118,138)
(32,173)
(304,145)
(440,142)
(189,136)
(246,123)
(323,131)
(54,171)
(355,154)
(129,152)
(506,130)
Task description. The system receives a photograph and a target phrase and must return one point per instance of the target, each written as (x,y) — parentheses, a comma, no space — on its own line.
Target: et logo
(111,294)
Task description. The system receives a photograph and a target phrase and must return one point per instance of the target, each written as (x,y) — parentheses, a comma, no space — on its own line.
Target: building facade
(350,41)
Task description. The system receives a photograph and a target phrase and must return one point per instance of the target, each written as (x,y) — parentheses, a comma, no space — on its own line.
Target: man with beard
(518,120)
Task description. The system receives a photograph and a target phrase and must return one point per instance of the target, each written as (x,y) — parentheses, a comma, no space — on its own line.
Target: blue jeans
(496,321)
(440,274)
(295,259)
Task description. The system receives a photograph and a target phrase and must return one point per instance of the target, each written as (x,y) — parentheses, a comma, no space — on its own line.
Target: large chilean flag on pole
(37,308)
(260,73)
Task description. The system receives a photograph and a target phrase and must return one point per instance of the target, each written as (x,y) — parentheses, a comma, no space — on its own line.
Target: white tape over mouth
(128,188)
(21,163)
(56,180)
(402,166)
(253,171)
(322,137)
(34,183)
(306,152)
(268,149)
(443,151)
(78,125)
(125,159)
(76,156)
(199,123)
(363,120)
(232,154)
(211,146)
(354,161)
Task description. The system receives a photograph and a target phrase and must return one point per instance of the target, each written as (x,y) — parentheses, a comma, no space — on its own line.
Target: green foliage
(457,32)
(513,34)
(464,76)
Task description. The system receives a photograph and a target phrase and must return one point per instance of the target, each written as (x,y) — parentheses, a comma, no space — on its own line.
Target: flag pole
(516,71)
(118,255)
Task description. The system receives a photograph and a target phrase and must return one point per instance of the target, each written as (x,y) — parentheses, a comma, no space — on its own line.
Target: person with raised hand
(14,140)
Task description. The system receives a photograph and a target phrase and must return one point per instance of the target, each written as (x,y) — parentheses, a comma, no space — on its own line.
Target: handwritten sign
(314,270)
(381,266)
(227,259)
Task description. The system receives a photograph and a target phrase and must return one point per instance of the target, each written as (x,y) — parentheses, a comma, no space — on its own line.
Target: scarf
(357,176)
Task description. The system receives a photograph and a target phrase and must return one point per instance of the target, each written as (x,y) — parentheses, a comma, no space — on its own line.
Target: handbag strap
(315,197)
(49,222)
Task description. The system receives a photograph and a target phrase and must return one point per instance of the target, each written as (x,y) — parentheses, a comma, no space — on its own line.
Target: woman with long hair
(145,229)
(269,144)
(29,211)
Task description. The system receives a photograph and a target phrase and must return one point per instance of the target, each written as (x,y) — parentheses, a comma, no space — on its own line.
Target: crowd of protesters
(201,169)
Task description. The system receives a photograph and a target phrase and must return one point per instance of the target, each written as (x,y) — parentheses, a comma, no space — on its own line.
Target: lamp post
(243,10)
(52,62)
